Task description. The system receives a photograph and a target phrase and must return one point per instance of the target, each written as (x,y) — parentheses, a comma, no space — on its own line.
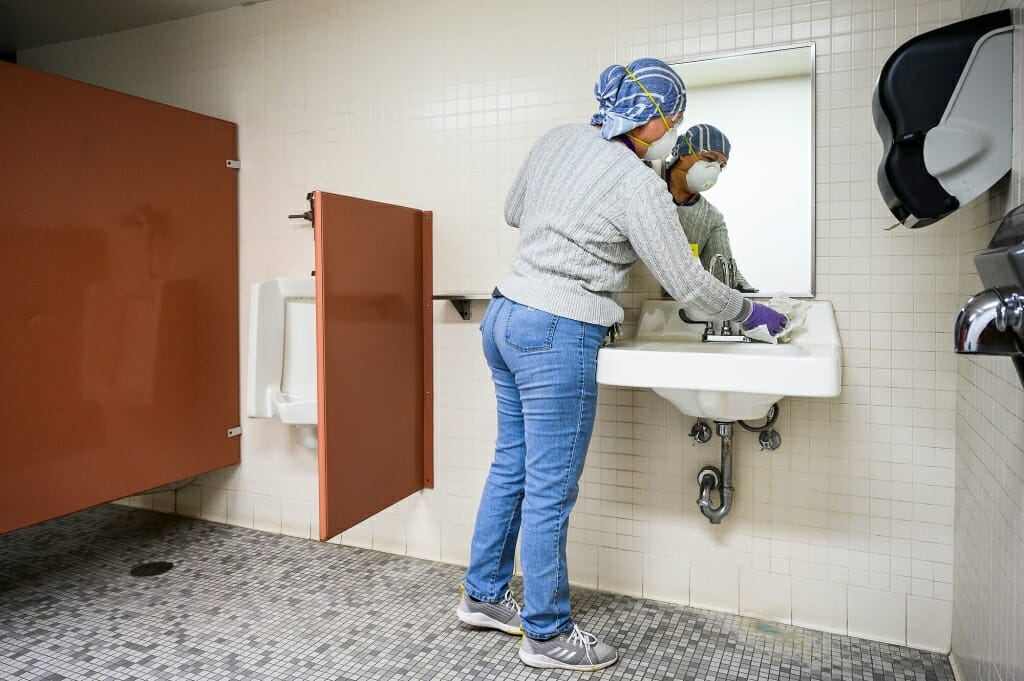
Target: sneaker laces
(510,602)
(582,638)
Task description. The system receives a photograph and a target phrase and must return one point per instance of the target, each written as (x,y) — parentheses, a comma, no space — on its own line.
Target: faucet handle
(709,326)
(684,318)
(728,267)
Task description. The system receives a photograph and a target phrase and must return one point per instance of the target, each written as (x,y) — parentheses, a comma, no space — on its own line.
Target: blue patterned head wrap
(700,138)
(623,105)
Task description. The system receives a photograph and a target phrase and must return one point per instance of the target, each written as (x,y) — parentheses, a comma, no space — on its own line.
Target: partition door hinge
(234,164)
(235,432)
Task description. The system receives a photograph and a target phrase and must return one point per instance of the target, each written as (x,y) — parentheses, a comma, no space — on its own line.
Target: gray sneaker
(503,615)
(574,649)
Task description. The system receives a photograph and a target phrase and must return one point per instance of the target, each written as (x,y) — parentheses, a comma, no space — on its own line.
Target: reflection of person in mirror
(699,156)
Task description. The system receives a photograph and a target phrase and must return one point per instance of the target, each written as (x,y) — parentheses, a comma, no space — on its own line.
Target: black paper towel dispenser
(943,108)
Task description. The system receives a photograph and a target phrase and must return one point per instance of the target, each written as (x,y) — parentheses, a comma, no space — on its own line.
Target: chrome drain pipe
(710,478)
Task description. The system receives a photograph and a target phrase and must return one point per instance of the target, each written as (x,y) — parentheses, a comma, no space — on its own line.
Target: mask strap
(637,139)
(688,144)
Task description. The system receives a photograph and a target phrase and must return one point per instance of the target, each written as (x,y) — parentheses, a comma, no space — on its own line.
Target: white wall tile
(766,596)
(987,588)
(714,587)
(389,533)
(266,514)
(360,535)
(214,504)
(164,502)
(819,605)
(583,564)
(455,541)
(239,508)
(666,578)
(878,615)
(928,623)
(620,571)
(188,501)
(423,537)
(295,517)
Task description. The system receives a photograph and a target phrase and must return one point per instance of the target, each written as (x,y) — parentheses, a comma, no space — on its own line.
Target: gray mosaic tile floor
(241,604)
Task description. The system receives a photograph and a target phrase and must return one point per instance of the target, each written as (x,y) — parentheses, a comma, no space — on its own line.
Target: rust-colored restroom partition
(118,295)
(374,356)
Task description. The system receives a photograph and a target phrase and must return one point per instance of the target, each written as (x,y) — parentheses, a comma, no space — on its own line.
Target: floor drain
(151,569)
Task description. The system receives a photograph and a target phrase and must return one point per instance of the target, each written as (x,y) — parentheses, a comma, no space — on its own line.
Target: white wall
(848,528)
(766,190)
(988,605)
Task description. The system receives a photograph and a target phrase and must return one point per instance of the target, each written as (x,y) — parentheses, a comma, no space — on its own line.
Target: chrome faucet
(728,277)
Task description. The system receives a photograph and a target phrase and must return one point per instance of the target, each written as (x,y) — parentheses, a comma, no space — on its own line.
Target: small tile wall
(988,567)
(847,528)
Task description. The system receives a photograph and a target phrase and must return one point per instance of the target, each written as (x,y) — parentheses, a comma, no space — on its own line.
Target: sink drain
(151,569)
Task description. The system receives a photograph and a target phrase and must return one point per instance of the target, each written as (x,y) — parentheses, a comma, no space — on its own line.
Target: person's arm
(516,194)
(652,227)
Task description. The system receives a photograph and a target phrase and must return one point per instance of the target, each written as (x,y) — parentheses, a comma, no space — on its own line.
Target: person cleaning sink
(587,209)
(699,157)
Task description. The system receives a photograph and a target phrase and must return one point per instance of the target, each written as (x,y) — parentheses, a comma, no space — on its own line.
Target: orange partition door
(374,356)
(118,295)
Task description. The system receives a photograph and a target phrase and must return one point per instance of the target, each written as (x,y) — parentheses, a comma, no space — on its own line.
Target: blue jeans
(544,369)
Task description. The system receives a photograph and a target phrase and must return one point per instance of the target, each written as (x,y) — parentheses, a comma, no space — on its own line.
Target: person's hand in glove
(762,314)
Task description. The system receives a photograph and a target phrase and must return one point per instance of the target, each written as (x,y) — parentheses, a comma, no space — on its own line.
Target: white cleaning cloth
(796,313)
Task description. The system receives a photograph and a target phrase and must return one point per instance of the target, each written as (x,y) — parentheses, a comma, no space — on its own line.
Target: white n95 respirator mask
(662,147)
(702,175)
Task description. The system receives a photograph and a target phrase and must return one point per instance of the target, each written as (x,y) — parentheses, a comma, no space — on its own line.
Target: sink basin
(724,381)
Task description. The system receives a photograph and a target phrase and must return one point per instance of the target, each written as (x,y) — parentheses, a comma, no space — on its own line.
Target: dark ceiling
(25,24)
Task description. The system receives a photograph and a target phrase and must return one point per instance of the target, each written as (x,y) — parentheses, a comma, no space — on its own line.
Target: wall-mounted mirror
(764,104)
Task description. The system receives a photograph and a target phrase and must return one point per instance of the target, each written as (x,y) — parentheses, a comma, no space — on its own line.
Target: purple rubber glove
(762,314)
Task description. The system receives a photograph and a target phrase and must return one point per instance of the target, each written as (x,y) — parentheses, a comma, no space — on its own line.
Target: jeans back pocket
(530,330)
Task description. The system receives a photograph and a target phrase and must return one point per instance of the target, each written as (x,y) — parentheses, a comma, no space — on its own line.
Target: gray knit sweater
(705,226)
(587,209)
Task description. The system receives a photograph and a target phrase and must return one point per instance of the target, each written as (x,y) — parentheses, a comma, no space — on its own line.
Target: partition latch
(232,163)
(235,432)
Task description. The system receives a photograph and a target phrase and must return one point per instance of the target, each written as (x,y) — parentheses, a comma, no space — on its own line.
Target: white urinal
(282,354)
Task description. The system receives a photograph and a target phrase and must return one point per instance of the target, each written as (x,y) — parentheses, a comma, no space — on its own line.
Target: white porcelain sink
(724,381)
